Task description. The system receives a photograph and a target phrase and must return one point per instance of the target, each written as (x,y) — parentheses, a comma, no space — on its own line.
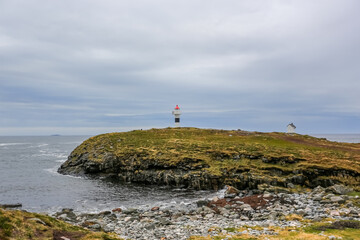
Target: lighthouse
(176,112)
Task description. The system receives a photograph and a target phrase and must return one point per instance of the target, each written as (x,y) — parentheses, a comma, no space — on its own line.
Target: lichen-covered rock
(339,189)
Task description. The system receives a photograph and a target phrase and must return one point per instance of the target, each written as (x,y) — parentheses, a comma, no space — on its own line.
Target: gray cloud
(87,65)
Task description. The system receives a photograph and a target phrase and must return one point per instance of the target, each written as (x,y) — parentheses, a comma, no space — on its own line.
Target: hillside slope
(209,159)
(16,224)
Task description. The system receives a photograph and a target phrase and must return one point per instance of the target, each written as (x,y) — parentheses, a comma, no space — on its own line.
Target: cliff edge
(209,159)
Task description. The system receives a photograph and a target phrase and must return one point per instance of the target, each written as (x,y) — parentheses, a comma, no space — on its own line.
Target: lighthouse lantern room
(176,112)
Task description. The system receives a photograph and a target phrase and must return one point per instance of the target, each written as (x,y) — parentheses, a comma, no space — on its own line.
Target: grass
(221,152)
(15,224)
(354,194)
(346,230)
(5,226)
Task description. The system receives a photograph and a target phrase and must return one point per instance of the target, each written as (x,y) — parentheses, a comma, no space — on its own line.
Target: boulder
(318,190)
(130,211)
(339,189)
(155,209)
(118,210)
(201,203)
(334,213)
(38,221)
(337,199)
(66,214)
(231,190)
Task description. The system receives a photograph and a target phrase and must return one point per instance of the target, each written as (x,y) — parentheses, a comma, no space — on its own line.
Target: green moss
(107,237)
(230,229)
(5,227)
(354,194)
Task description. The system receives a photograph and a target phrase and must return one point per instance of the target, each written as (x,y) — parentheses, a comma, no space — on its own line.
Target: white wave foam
(70,176)
(221,193)
(11,144)
(52,170)
(42,145)
(52,155)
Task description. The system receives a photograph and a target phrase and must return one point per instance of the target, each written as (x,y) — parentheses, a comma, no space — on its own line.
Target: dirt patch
(59,235)
(255,201)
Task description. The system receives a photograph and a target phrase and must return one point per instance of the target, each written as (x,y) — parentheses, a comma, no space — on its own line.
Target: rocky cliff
(210,159)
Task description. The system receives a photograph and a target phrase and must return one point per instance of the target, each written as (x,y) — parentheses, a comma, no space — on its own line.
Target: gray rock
(328,196)
(290,185)
(339,189)
(300,211)
(66,214)
(337,199)
(334,213)
(38,221)
(210,215)
(109,228)
(164,221)
(317,197)
(96,227)
(207,210)
(201,203)
(245,206)
(267,195)
(130,211)
(318,189)
(180,222)
(230,195)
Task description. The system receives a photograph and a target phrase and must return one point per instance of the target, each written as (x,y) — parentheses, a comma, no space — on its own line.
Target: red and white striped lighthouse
(176,112)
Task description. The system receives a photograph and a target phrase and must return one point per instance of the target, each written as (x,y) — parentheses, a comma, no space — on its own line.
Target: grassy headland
(208,158)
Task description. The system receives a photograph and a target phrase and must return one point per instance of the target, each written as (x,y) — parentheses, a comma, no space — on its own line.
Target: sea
(28,175)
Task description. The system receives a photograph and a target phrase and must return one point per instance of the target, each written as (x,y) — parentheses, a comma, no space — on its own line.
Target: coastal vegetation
(209,159)
(344,229)
(16,224)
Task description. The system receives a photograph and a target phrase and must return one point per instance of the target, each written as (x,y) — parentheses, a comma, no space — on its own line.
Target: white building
(176,112)
(291,128)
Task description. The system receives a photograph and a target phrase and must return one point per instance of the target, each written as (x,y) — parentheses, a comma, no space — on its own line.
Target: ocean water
(349,138)
(28,175)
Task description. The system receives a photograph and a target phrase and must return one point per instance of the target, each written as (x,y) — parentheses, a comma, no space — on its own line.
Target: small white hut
(291,128)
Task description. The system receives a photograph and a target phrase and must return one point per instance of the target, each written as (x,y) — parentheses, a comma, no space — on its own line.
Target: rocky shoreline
(238,213)
(275,172)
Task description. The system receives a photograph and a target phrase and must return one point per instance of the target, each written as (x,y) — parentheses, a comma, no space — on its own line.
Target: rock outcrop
(210,159)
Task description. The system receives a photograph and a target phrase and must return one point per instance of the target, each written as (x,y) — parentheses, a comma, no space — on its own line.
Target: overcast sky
(88,67)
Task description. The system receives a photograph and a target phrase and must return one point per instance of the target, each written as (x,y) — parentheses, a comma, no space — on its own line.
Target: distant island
(210,159)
